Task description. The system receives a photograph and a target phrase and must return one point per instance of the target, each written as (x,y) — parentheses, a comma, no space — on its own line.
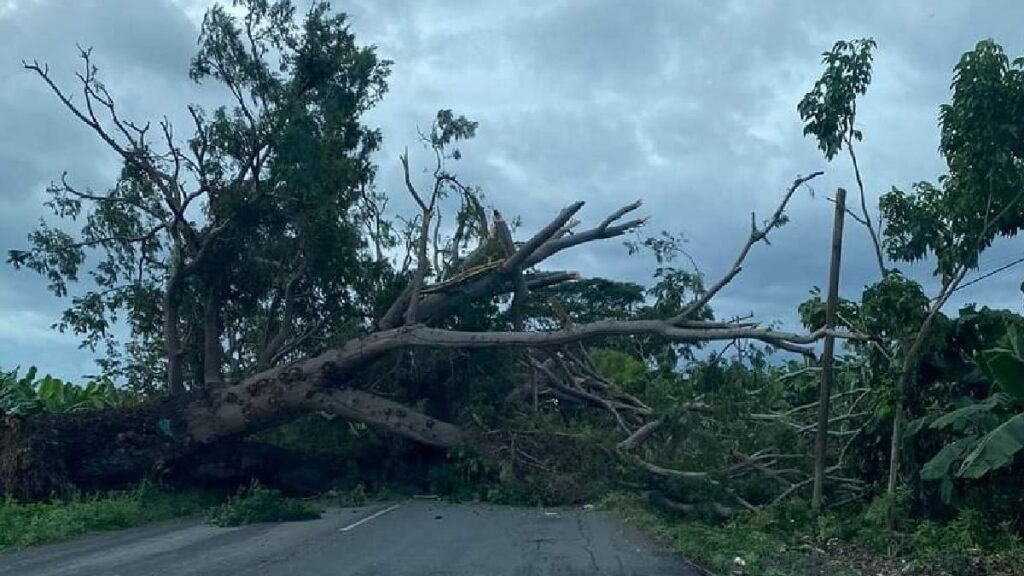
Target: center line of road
(370,517)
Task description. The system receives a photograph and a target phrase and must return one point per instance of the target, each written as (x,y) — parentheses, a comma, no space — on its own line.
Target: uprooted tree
(260,277)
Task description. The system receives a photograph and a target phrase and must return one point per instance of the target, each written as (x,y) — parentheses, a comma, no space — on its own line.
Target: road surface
(409,538)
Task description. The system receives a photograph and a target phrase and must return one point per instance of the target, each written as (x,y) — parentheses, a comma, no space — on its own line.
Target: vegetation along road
(403,538)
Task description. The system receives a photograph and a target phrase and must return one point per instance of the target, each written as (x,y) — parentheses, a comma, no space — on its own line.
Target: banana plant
(28,395)
(988,434)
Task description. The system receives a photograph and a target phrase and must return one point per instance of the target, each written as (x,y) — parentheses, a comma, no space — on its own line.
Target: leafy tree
(829,113)
(979,199)
(953,221)
(246,234)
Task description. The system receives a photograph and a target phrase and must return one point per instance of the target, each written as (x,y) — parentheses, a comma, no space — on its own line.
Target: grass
(786,540)
(739,547)
(25,524)
(258,503)
(29,524)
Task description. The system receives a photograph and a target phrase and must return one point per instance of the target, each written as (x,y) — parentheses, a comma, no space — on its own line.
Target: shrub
(260,504)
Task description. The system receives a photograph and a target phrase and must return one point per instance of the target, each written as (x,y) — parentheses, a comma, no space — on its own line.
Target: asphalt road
(410,538)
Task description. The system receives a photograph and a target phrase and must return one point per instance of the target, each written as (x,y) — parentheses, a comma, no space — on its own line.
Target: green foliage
(587,300)
(940,465)
(991,430)
(1005,363)
(980,197)
(621,368)
(974,415)
(830,108)
(714,547)
(252,220)
(256,504)
(788,540)
(996,449)
(28,394)
(29,524)
(812,311)
(894,307)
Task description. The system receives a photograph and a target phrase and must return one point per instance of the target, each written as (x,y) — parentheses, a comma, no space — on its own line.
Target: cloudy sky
(689,105)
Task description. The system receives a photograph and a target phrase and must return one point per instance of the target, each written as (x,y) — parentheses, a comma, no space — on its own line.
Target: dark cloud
(689,105)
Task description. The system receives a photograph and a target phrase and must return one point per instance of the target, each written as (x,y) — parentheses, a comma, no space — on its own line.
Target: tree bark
(172,334)
(908,375)
(213,353)
(50,453)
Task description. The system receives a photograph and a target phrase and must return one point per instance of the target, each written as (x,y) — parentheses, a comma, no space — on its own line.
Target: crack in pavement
(587,543)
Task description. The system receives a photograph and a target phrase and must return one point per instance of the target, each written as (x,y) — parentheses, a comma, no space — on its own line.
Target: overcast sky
(688,105)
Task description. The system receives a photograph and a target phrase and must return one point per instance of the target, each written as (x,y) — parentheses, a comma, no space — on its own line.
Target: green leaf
(946,490)
(997,449)
(938,467)
(1016,340)
(50,388)
(915,426)
(961,418)
(29,376)
(1007,368)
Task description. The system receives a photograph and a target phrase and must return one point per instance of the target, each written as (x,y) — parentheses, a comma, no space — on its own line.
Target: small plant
(258,503)
(349,498)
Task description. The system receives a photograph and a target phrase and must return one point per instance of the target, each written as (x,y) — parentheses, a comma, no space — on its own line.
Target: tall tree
(979,199)
(245,233)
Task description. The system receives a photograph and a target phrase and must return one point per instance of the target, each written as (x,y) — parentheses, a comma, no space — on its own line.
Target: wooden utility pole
(821,439)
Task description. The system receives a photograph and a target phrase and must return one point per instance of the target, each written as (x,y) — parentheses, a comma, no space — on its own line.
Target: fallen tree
(41,454)
(256,280)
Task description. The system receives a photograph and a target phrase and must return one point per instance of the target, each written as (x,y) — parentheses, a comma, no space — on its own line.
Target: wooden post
(825,390)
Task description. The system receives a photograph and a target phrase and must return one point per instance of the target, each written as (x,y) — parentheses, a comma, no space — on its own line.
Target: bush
(260,504)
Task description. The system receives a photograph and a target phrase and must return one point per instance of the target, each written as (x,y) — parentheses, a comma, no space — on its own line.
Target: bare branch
(518,259)
(866,220)
(756,235)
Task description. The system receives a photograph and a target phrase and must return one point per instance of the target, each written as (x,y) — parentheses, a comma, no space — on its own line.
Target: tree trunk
(908,376)
(172,335)
(44,454)
(49,453)
(212,351)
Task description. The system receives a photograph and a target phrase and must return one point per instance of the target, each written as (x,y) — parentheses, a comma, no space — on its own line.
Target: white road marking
(370,517)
